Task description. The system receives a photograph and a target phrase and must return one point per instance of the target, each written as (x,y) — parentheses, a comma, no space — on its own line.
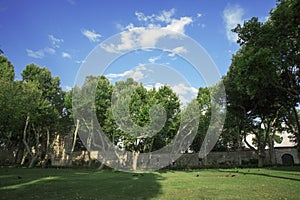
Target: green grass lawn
(272,183)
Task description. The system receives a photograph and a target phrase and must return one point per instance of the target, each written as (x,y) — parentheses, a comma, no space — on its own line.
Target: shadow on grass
(286,168)
(266,174)
(78,184)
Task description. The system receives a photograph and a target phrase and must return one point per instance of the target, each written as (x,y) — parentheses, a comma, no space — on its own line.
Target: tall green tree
(255,85)
(169,100)
(45,122)
(284,20)
(7,71)
(253,97)
(7,100)
(204,102)
(19,102)
(103,104)
(140,117)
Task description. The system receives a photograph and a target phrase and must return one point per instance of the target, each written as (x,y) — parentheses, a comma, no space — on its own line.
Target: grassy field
(272,183)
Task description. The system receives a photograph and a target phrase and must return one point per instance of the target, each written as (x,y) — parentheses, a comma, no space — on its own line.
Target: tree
(204,101)
(252,75)
(13,102)
(146,120)
(7,71)
(273,47)
(19,104)
(7,103)
(250,84)
(44,123)
(286,44)
(103,103)
(69,124)
(169,100)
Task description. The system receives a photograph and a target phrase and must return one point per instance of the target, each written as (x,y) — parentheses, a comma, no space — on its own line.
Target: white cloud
(156,86)
(184,92)
(91,35)
(142,17)
(148,35)
(40,53)
(143,74)
(55,41)
(137,73)
(232,15)
(49,50)
(264,18)
(35,54)
(178,25)
(67,88)
(164,16)
(177,50)
(154,59)
(183,89)
(184,100)
(79,61)
(66,55)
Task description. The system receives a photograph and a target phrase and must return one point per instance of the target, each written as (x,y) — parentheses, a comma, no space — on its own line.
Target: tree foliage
(262,81)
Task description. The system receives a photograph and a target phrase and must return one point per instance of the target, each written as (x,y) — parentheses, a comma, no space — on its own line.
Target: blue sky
(60,34)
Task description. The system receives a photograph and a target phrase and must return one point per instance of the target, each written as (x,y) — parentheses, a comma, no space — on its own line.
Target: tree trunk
(25,153)
(272,150)
(75,136)
(25,142)
(19,153)
(90,159)
(261,155)
(260,161)
(135,156)
(239,163)
(74,140)
(239,146)
(205,156)
(89,141)
(102,164)
(33,161)
(34,157)
(45,161)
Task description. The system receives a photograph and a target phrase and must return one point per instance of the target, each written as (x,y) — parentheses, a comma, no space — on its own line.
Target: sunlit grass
(27,183)
(273,183)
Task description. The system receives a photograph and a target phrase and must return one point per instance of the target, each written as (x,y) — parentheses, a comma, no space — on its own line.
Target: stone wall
(280,152)
(223,159)
(213,159)
(285,155)
(217,159)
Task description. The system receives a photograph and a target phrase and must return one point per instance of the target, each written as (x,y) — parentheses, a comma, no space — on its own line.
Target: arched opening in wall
(287,159)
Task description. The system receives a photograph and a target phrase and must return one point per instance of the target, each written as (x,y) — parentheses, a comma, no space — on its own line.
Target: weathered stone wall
(213,159)
(62,157)
(233,158)
(291,151)
(217,159)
